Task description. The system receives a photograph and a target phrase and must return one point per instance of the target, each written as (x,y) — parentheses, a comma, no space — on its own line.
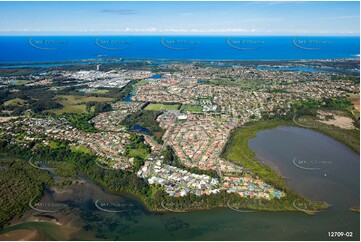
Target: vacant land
(67,100)
(15,102)
(355,99)
(355,110)
(70,109)
(20,82)
(7,119)
(160,106)
(81,148)
(76,104)
(336,118)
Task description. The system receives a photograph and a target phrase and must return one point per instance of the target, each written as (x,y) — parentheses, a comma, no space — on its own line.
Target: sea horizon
(40,49)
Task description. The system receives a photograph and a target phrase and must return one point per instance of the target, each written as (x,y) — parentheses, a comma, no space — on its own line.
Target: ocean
(25,49)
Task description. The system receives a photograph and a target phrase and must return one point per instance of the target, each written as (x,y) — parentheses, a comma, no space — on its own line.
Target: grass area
(53,144)
(160,106)
(192,108)
(355,99)
(15,102)
(81,108)
(82,149)
(67,100)
(20,82)
(139,152)
(76,104)
(101,91)
(142,82)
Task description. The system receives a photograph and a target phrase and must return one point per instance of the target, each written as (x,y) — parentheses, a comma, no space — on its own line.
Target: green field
(192,108)
(141,153)
(355,99)
(20,82)
(81,148)
(67,100)
(142,82)
(76,104)
(160,106)
(70,109)
(53,144)
(14,102)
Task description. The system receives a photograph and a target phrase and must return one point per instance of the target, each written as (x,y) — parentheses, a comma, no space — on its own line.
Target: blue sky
(180,18)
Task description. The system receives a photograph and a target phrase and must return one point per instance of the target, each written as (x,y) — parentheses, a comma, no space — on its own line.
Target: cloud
(119,11)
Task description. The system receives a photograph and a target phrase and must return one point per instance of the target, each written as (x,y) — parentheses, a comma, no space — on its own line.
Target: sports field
(160,106)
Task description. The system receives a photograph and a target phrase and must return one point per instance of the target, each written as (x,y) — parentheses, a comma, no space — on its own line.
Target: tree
(102,107)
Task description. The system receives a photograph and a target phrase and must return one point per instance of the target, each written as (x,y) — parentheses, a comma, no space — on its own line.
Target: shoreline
(110,60)
(33,219)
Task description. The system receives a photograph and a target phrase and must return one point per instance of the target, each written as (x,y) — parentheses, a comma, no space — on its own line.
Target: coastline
(110,60)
